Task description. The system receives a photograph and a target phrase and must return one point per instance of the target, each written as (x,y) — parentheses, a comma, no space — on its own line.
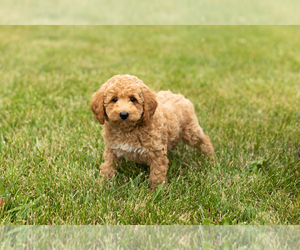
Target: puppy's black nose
(124,115)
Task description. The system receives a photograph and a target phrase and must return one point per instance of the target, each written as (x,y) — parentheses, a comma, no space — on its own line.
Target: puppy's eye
(115,99)
(132,99)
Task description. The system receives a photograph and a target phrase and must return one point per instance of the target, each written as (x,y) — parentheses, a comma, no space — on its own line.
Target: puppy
(142,126)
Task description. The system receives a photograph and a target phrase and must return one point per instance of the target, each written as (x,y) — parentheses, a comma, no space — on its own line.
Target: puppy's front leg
(158,169)
(107,169)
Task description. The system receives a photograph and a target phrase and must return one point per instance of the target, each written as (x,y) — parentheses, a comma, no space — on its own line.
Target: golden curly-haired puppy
(142,126)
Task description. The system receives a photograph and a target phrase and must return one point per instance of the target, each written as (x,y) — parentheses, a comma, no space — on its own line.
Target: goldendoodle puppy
(142,126)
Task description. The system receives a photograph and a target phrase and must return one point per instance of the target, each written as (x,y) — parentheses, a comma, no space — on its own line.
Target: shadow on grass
(182,160)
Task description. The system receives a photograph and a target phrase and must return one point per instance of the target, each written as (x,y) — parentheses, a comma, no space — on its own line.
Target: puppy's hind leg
(193,135)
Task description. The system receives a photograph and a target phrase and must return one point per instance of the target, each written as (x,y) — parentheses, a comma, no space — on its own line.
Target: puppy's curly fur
(142,126)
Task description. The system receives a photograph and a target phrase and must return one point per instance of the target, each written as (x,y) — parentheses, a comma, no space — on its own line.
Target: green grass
(243,80)
(136,12)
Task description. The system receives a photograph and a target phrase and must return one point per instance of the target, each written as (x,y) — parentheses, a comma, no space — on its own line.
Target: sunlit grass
(244,82)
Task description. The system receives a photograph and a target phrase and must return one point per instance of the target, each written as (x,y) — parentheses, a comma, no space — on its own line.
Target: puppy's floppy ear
(150,104)
(97,105)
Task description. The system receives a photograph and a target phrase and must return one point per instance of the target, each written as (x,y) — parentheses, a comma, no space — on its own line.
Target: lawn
(244,82)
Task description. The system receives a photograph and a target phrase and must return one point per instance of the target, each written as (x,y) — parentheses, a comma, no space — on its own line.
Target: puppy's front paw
(156,178)
(107,171)
(155,185)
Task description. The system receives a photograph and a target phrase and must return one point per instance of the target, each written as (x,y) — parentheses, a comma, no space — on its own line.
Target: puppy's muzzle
(124,115)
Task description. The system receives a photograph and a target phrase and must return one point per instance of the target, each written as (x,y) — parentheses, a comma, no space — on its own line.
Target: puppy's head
(124,100)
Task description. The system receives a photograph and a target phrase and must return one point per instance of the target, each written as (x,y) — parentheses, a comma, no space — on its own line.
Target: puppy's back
(175,102)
